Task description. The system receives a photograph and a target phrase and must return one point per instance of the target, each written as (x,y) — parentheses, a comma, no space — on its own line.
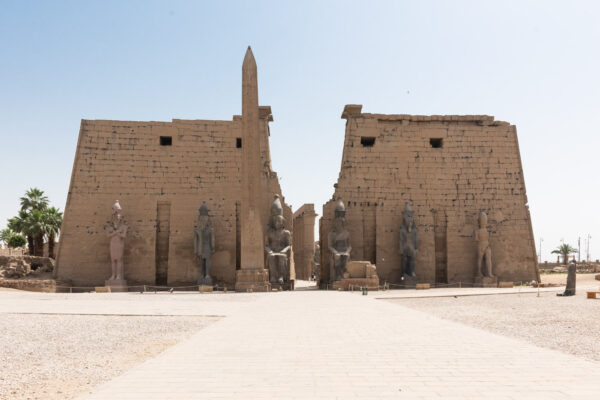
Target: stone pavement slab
(339,345)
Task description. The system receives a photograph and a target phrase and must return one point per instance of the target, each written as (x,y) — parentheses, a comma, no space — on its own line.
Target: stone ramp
(335,345)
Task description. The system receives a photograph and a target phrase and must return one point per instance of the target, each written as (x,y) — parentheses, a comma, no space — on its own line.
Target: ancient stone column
(252,274)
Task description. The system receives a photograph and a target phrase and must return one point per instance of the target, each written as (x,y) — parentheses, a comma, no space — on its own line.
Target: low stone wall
(36,285)
(12,252)
(560,267)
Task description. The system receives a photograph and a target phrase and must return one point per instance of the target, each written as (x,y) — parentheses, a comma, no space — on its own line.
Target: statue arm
(195,241)
(349,248)
(401,241)
(288,244)
(123,231)
(330,245)
(416,238)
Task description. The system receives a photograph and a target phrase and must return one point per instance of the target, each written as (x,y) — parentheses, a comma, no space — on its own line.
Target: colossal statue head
(276,220)
(408,215)
(339,214)
(203,218)
(483,219)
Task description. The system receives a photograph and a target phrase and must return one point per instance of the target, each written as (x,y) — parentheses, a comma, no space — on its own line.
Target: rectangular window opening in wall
(436,143)
(238,143)
(367,141)
(166,140)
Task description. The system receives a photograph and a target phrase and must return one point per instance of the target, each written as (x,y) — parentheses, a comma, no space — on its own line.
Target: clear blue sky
(535,64)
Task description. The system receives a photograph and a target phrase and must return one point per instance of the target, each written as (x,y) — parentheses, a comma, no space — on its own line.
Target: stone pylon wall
(160,189)
(389,160)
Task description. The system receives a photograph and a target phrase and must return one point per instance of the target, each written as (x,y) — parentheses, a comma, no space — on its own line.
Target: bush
(16,240)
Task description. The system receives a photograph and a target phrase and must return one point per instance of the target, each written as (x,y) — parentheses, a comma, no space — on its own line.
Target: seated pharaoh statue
(339,241)
(278,245)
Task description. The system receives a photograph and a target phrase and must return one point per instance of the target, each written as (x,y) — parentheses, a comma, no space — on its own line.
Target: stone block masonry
(450,168)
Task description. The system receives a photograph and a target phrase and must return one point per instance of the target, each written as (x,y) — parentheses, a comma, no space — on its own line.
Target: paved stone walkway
(335,345)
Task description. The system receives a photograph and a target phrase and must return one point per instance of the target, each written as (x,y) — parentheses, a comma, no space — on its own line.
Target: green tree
(564,250)
(18,224)
(6,234)
(16,241)
(36,224)
(53,223)
(34,199)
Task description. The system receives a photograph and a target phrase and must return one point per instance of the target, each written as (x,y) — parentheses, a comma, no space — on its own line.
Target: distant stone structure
(161,172)
(304,239)
(448,168)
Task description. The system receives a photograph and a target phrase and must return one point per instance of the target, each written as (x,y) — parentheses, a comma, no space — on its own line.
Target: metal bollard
(365,291)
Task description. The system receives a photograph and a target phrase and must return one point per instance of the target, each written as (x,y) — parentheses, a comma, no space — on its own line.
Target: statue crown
(203,209)
(276,208)
(340,209)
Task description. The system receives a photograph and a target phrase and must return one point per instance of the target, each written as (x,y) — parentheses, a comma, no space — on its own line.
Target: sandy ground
(567,324)
(63,356)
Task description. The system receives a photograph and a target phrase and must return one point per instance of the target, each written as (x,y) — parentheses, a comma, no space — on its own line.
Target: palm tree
(36,225)
(53,223)
(34,199)
(18,224)
(32,226)
(564,250)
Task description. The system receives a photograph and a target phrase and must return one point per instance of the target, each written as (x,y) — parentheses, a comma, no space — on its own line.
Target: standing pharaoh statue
(204,244)
(408,242)
(484,251)
(339,241)
(116,230)
(278,245)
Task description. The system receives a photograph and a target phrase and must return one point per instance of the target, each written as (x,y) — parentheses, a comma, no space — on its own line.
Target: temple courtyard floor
(307,344)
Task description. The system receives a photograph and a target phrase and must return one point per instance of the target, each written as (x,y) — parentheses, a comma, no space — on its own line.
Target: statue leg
(208,276)
(336,266)
(120,268)
(479,262)
(207,279)
(281,264)
(488,262)
(272,268)
(413,262)
(113,266)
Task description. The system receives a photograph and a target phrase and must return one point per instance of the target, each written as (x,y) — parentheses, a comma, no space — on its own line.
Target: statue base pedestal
(276,286)
(356,283)
(256,280)
(486,281)
(408,282)
(116,285)
(205,289)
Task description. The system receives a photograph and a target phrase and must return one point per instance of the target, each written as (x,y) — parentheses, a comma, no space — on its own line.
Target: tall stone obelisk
(252,274)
